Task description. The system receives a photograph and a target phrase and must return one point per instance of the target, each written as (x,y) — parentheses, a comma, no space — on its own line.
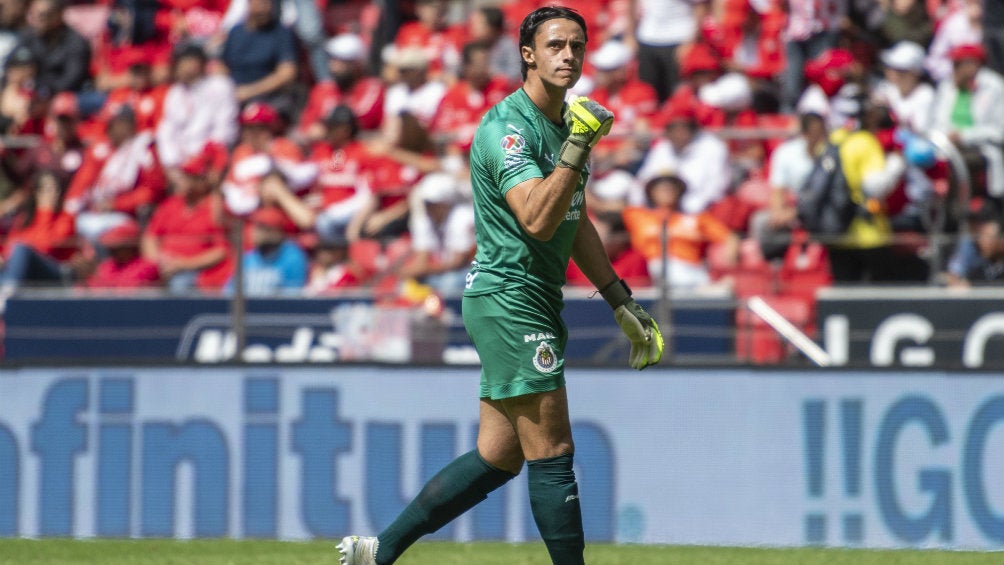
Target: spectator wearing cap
(341,190)
(487,24)
(657,28)
(963,26)
(718,98)
(139,92)
(469,98)
(699,157)
(260,152)
(260,55)
(969,111)
(124,267)
(274,264)
(432,33)
(63,55)
(836,88)
(348,84)
(688,234)
(413,100)
(635,101)
(811,29)
(747,37)
(441,225)
(199,108)
(978,258)
(119,179)
(186,237)
(910,98)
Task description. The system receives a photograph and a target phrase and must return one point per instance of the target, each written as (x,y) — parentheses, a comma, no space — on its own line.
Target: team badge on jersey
(544,359)
(512,143)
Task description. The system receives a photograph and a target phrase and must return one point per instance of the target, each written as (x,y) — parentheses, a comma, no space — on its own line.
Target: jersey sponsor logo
(512,143)
(527,338)
(544,359)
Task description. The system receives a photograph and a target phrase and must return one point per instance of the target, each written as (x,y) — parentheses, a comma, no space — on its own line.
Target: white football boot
(358,551)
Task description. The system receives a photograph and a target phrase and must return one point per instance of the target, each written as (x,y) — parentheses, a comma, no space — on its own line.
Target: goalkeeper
(528,173)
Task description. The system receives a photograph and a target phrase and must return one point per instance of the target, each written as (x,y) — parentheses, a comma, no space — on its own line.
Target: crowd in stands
(321,146)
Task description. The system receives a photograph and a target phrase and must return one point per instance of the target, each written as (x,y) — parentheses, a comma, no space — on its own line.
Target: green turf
(228,552)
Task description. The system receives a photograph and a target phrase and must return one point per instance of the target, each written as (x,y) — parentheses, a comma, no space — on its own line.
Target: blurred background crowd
(310,147)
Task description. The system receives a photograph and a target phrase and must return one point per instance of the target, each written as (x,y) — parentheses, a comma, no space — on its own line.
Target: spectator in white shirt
(413,94)
(657,28)
(698,157)
(790,165)
(198,108)
(903,89)
(442,234)
(969,111)
(963,26)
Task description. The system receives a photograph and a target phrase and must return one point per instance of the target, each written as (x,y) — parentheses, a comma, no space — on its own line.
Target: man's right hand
(587,122)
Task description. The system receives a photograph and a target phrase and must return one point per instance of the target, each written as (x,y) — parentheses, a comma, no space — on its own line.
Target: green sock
(554,499)
(457,488)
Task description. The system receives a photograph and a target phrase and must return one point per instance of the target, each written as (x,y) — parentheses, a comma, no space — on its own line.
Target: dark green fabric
(457,488)
(554,499)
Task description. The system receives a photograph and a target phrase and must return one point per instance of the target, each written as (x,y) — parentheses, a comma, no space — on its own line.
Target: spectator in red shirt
(331,270)
(124,267)
(468,99)
(260,152)
(433,33)
(40,242)
(186,237)
(748,38)
(119,179)
(617,86)
(348,85)
(341,190)
(139,93)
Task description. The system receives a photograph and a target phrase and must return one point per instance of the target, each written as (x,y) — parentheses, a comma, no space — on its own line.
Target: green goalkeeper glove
(587,122)
(639,327)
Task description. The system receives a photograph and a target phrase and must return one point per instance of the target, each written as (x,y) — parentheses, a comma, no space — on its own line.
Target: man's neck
(549,99)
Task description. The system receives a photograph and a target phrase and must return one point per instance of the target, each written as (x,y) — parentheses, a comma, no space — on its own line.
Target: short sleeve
(507,154)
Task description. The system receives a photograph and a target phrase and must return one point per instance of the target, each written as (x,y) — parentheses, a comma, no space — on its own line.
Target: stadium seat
(757,342)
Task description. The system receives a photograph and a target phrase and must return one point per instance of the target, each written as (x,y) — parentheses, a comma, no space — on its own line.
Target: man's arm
(284,73)
(540,204)
(591,257)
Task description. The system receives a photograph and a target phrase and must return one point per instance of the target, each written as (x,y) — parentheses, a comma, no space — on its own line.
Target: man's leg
(458,487)
(542,424)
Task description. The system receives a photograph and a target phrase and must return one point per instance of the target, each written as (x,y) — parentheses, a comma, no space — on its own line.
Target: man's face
(44,16)
(188,69)
(988,239)
(259,12)
(558,50)
(680,133)
(964,72)
(478,70)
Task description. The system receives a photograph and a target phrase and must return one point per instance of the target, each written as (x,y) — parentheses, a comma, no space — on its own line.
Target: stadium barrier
(697,456)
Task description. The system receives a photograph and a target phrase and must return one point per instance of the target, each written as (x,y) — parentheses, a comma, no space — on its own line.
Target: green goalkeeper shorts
(521,343)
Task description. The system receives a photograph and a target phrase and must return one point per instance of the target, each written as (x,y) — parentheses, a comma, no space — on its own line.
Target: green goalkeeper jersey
(515,142)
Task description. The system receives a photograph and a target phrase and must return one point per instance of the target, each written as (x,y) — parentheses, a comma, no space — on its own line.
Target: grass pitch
(230,552)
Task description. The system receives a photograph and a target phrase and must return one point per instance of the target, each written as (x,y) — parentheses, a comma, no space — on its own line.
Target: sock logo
(571,497)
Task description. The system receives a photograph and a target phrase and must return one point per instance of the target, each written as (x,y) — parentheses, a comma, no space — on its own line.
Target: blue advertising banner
(727,457)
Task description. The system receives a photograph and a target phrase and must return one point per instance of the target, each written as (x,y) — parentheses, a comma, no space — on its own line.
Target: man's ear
(527,53)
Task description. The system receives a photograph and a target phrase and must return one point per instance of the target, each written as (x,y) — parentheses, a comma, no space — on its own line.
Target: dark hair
(493,17)
(533,20)
(473,47)
(342,115)
(807,119)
